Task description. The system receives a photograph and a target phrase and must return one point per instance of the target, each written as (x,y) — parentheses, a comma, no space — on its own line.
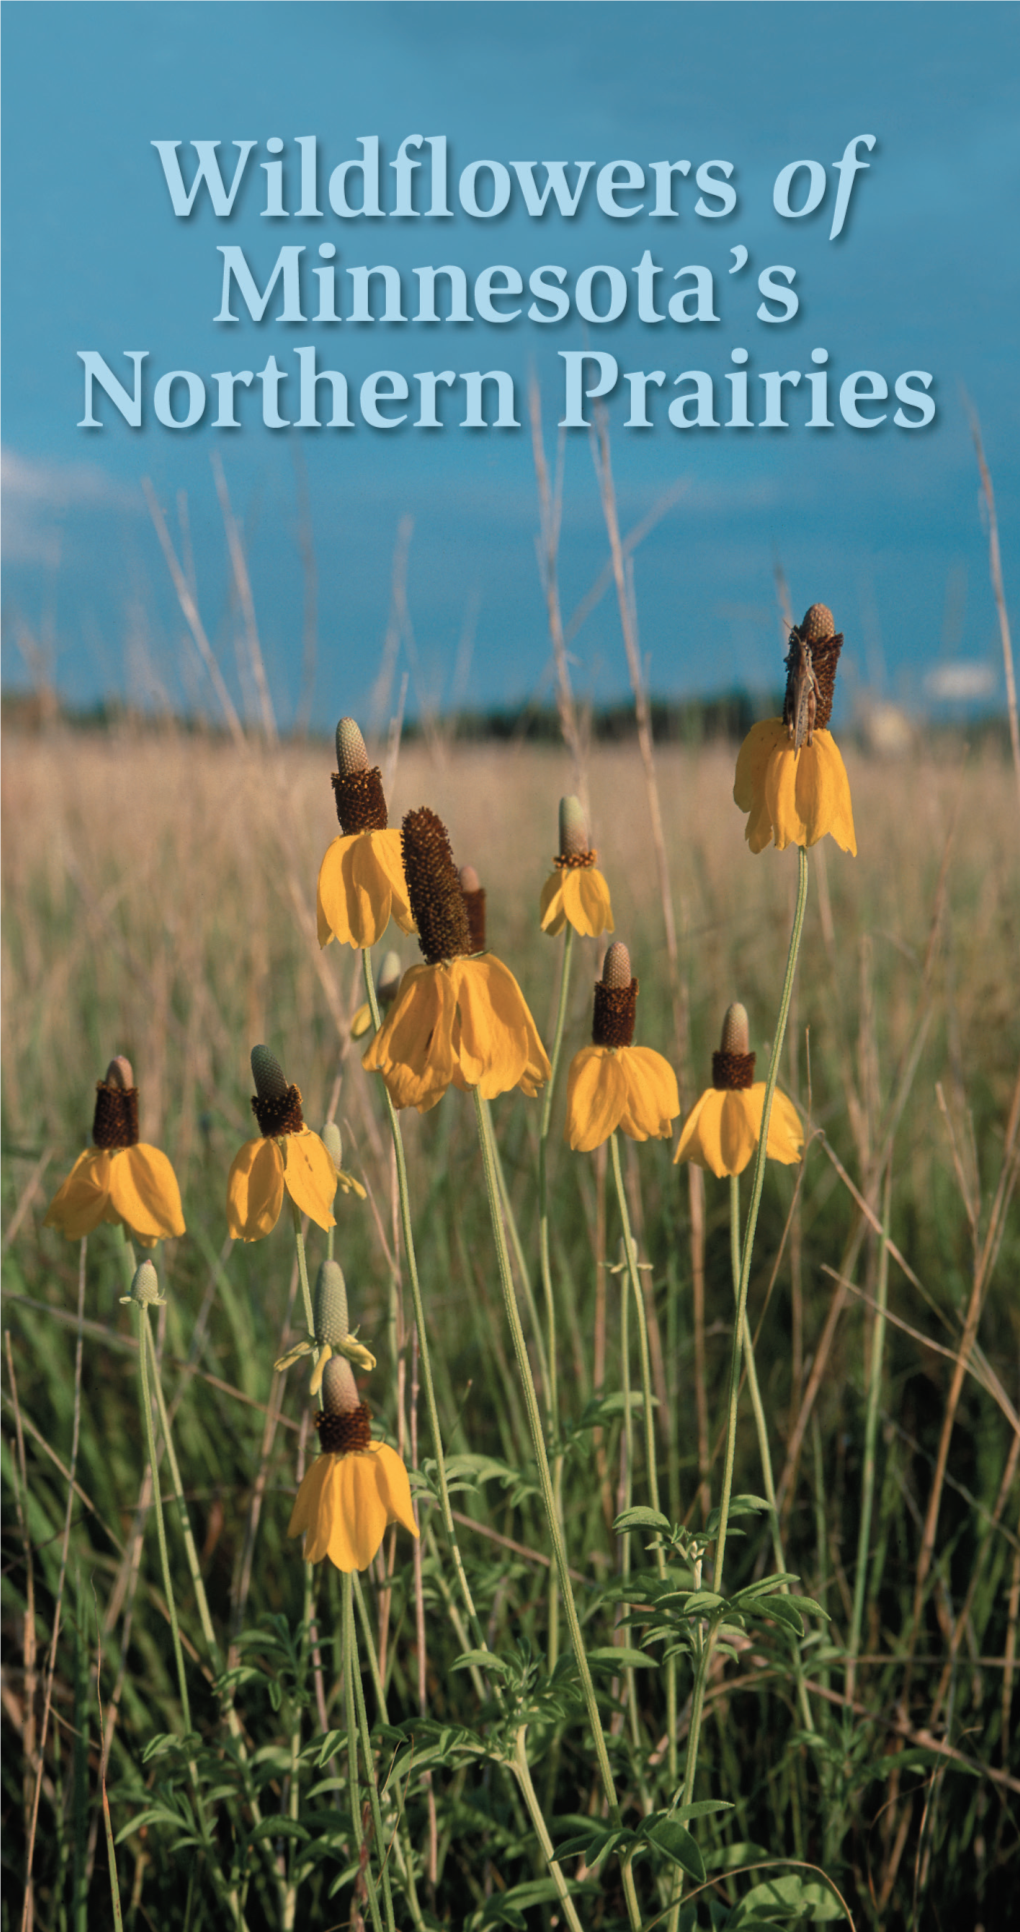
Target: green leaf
(278,1827)
(651,1519)
(789,1895)
(617,1657)
(485,1659)
(675,1840)
(588,1845)
(784,1610)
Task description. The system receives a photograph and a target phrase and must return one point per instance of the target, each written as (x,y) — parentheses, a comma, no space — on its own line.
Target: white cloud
(37,497)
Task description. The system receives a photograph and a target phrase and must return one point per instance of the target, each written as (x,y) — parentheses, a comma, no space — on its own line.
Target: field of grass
(159,902)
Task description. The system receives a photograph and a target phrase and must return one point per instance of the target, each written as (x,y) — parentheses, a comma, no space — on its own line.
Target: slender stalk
(543,1178)
(367,1754)
(302,1263)
(870,1442)
(701,1680)
(545,1262)
(519,1766)
(364,1851)
(525,1278)
(423,1340)
(651,1454)
(150,1437)
(545,1483)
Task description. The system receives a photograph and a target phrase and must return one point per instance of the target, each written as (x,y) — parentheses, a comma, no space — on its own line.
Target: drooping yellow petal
(360,1513)
(786,1135)
(310,1176)
(793,797)
(331,910)
(722,1129)
(653,1100)
(311,1513)
(255,1190)
(377,856)
(596,1097)
(144,1193)
(495,1039)
(752,760)
(413,1049)
(394,1486)
(701,1138)
(586,898)
(550,906)
(80,1202)
(831,810)
(739,1126)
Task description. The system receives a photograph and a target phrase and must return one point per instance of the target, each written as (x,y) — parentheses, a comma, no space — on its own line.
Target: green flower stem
(352,1755)
(545,1482)
(146,1342)
(543,1177)
(423,1340)
(870,1444)
(369,1759)
(402,1848)
(521,1771)
(630,1254)
(302,1265)
(523,1272)
(764,1453)
(701,1680)
(234,1724)
(147,1347)
(552,1387)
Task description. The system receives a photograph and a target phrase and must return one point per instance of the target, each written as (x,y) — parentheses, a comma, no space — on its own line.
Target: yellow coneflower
(285,1156)
(612,1084)
(575,894)
(120,1179)
(361,879)
(355,1486)
(723,1127)
(790,777)
(458,1018)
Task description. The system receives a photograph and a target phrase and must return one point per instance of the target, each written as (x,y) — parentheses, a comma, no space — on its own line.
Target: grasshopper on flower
(801,689)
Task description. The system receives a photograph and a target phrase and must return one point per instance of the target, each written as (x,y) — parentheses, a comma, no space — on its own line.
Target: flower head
(611,1083)
(361,879)
(458,1018)
(723,1128)
(286,1155)
(575,894)
(790,777)
(355,1486)
(332,1330)
(120,1179)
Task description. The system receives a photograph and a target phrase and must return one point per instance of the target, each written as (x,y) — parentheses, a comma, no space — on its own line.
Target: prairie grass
(159,901)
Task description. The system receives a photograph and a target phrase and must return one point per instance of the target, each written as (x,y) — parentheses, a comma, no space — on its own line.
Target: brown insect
(801,692)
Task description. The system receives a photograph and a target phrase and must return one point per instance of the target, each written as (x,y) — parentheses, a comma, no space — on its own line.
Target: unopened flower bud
(145,1287)
(736,1036)
(330,1138)
(331,1318)
(351,754)
(573,828)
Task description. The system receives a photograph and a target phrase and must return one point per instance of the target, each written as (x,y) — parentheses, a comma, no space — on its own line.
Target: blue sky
(882,524)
